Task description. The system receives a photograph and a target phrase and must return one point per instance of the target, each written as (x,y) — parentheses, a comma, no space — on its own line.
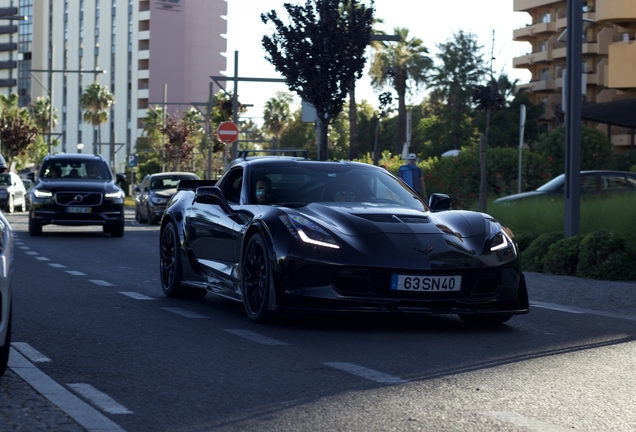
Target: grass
(542,215)
(129,201)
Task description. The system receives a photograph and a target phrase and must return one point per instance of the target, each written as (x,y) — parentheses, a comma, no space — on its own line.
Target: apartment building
(9,20)
(609,63)
(136,48)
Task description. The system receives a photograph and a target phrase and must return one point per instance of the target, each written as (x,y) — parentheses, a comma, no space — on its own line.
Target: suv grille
(78,198)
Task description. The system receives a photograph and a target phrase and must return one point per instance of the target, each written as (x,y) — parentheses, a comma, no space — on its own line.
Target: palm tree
(9,103)
(276,114)
(40,110)
(396,65)
(95,101)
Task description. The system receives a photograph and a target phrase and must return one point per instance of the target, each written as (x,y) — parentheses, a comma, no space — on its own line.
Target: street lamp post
(80,146)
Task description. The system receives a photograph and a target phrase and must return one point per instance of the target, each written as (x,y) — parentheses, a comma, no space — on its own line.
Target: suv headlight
(307,231)
(39,193)
(115,195)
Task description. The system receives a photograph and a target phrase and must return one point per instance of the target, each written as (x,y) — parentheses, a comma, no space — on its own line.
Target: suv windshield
(67,169)
(169,182)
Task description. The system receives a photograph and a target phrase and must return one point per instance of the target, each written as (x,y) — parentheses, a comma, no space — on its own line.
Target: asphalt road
(98,347)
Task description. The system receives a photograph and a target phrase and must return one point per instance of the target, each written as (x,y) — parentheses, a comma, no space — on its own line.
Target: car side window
(588,183)
(231,188)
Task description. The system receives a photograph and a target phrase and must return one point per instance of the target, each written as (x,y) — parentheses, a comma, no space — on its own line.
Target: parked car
(76,190)
(28,184)
(6,272)
(154,192)
(592,183)
(289,234)
(12,192)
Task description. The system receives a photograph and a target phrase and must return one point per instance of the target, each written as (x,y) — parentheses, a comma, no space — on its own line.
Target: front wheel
(35,229)
(117,230)
(171,270)
(256,280)
(485,319)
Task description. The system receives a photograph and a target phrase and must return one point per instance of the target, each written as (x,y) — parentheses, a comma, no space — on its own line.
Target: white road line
(135,295)
(32,253)
(99,399)
(24,247)
(184,313)
(366,373)
(75,273)
(572,309)
(42,258)
(100,282)
(57,265)
(524,422)
(29,352)
(84,414)
(255,337)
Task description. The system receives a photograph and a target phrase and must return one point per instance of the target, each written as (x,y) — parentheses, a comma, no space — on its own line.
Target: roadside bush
(531,258)
(524,239)
(562,257)
(603,255)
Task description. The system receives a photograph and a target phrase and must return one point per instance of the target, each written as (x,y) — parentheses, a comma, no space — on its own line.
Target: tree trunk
(401,124)
(354,150)
(483,147)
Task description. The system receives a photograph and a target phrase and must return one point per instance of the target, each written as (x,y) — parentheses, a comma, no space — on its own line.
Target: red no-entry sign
(227,132)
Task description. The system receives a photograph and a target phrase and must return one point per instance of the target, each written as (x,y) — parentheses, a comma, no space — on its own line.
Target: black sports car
(290,234)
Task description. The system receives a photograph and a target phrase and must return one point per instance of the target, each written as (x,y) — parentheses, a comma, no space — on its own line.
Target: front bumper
(105,214)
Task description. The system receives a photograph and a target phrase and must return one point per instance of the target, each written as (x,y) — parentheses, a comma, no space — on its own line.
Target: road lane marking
(84,414)
(57,265)
(24,247)
(99,399)
(32,253)
(100,282)
(524,422)
(135,295)
(572,309)
(29,352)
(366,373)
(184,313)
(75,273)
(42,258)
(255,337)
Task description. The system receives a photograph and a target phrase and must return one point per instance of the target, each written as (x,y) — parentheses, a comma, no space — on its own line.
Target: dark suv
(75,190)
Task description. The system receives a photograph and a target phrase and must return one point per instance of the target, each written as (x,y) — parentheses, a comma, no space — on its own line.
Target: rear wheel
(35,229)
(485,319)
(256,280)
(4,349)
(170,265)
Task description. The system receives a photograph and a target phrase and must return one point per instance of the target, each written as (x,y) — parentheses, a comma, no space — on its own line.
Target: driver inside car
(264,190)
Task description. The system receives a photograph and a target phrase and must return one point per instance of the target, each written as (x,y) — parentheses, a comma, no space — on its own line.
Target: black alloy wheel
(485,319)
(170,268)
(256,280)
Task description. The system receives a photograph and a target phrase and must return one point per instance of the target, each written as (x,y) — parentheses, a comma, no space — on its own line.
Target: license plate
(78,209)
(425,283)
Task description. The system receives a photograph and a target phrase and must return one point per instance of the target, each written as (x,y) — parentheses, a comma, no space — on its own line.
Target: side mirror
(212,195)
(439,202)
(121,178)
(31,175)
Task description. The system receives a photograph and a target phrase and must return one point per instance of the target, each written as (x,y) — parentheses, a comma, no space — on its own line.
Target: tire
(150,220)
(485,319)
(11,204)
(23,207)
(4,350)
(256,280)
(137,214)
(170,268)
(35,229)
(117,230)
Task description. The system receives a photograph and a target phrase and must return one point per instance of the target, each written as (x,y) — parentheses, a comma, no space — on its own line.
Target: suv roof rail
(278,152)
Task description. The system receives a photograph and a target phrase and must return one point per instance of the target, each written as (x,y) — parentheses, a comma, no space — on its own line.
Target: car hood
(519,196)
(77,186)
(165,193)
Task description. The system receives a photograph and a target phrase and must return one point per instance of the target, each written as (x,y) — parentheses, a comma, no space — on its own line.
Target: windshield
(5,180)
(302,185)
(74,169)
(170,182)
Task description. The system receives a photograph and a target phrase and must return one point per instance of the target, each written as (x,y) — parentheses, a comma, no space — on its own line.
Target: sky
(433,21)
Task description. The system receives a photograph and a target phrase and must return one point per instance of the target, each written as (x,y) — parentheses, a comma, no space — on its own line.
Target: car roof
(75,156)
(171,173)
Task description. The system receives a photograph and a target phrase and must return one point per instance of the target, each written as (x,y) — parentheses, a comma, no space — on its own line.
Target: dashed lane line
(184,312)
(135,295)
(100,282)
(29,352)
(57,265)
(255,337)
(41,258)
(75,273)
(366,373)
(99,399)
(84,414)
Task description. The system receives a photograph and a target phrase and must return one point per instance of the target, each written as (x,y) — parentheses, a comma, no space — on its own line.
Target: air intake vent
(388,218)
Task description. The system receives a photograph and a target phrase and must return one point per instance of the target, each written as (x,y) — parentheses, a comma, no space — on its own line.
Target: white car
(12,192)
(6,271)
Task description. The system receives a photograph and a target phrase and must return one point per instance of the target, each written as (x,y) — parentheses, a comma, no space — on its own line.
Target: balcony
(8,82)
(144,35)
(524,34)
(614,11)
(8,29)
(547,85)
(621,65)
(528,59)
(144,15)
(8,46)
(526,5)
(142,94)
(8,64)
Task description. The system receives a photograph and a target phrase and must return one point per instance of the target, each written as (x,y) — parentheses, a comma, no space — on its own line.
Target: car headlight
(115,195)
(498,239)
(39,193)
(307,231)
(159,201)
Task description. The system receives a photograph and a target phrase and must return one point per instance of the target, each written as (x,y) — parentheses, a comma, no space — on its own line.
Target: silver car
(6,271)
(12,192)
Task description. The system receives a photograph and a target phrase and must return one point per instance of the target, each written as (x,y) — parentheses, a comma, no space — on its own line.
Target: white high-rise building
(144,47)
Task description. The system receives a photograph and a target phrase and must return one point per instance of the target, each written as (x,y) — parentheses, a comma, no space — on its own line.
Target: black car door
(213,234)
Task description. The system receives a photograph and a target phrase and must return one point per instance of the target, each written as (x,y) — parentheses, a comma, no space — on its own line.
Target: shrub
(603,255)
(524,239)
(562,257)
(531,258)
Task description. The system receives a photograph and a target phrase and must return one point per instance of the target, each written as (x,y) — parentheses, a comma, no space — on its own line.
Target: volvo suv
(76,190)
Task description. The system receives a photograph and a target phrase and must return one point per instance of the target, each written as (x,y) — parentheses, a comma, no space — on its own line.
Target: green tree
(179,146)
(459,69)
(276,114)
(41,113)
(17,133)
(96,100)
(321,53)
(398,65)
